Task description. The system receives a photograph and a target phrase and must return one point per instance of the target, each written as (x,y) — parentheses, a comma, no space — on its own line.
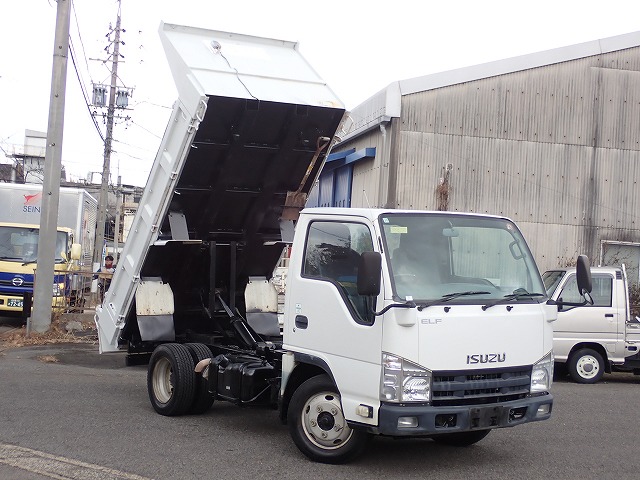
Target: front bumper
(430,420)
(14,300)
(11,303)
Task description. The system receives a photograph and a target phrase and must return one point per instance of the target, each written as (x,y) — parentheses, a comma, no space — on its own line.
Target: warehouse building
(551,140)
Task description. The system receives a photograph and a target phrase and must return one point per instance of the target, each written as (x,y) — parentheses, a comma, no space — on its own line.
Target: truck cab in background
(18,258)
(19,233)
(590,340)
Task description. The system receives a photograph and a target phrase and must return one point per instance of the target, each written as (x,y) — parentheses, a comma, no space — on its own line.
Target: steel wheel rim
(588,366)
(323,421)
(162,386)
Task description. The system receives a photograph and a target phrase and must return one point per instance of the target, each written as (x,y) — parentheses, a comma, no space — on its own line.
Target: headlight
(56,290)
(404,381)
(542,375)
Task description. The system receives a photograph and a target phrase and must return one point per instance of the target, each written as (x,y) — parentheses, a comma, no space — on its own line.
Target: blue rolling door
(342,178)
(334,184)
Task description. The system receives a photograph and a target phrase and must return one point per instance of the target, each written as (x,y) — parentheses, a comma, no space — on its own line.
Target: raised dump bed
(245,142)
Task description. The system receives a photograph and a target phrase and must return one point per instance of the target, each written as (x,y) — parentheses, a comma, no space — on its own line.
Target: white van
(590,340)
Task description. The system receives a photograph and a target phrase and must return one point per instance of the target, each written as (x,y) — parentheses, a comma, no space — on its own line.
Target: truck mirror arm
(587,301)
(409,304)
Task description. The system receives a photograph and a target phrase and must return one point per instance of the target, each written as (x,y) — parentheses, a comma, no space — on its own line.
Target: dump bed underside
(245,157)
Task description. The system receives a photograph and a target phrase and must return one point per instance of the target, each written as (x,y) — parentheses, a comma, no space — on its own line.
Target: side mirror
(369,270)
(76,251)
(583,275)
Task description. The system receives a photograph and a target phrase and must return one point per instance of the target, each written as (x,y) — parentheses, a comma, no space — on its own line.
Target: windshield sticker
(398,229)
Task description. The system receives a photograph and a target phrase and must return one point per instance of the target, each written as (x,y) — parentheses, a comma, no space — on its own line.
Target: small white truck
(395,322)
(20,206)
(590,340)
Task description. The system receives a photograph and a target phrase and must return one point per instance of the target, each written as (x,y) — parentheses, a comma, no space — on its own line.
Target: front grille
(472,387)
(9,283)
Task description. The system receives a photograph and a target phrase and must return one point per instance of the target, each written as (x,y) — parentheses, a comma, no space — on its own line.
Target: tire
(171,379)
(202,400)
(461,439)
(317,424)
(586,366)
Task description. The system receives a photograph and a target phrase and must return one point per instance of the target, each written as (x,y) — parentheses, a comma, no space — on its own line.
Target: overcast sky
(357,47)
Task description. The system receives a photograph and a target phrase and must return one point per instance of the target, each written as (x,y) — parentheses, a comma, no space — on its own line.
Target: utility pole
(41,320)
(116,233)
(104,187)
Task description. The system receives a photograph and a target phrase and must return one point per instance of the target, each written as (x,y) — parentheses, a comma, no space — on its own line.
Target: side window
(333,253)
(601,292)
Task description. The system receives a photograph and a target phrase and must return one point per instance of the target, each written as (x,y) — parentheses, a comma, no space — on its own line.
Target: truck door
(330,321)
(597,323)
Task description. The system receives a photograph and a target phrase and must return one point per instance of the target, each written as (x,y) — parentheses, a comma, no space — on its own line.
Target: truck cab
(592,339)
(457,341)
(18,258)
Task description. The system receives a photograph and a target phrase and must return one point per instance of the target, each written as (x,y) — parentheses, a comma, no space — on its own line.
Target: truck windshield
(20,244)
(439,256)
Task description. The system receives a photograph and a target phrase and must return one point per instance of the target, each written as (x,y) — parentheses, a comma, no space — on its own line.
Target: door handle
(608,315)
(302,321)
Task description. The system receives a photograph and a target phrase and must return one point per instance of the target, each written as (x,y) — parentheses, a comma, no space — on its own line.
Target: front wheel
(317,424)
(586,366)
(461,439)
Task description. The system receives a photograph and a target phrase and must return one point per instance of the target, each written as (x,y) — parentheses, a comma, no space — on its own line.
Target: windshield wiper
(450,296)
(517,294)
(8,257)
(29,261)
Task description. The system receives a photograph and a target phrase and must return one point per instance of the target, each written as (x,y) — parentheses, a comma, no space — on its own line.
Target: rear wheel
(171,380)
(317,424)
(461,439)
(202,400)
(586,366)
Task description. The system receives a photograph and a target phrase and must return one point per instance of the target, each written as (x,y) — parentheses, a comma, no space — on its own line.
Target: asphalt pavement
(67,412)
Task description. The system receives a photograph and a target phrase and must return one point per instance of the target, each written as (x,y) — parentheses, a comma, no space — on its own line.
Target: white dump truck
(592,339)
(20,206)
(395,322)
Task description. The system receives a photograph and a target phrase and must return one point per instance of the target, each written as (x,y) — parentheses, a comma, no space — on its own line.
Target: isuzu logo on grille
(486,358)
(17,281)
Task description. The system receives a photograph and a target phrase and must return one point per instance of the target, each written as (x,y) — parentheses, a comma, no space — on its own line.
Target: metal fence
(84,290)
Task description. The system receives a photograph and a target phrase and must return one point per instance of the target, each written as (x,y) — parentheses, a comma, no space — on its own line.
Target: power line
(84,93)
(145,129)
(84,51)
(134,146)
(136,158)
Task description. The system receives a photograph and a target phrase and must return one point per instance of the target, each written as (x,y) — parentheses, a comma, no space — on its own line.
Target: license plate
(486,417)
(14,302)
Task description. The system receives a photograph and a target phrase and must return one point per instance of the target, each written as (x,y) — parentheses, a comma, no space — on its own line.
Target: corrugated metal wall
(370,176)
(556,148)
